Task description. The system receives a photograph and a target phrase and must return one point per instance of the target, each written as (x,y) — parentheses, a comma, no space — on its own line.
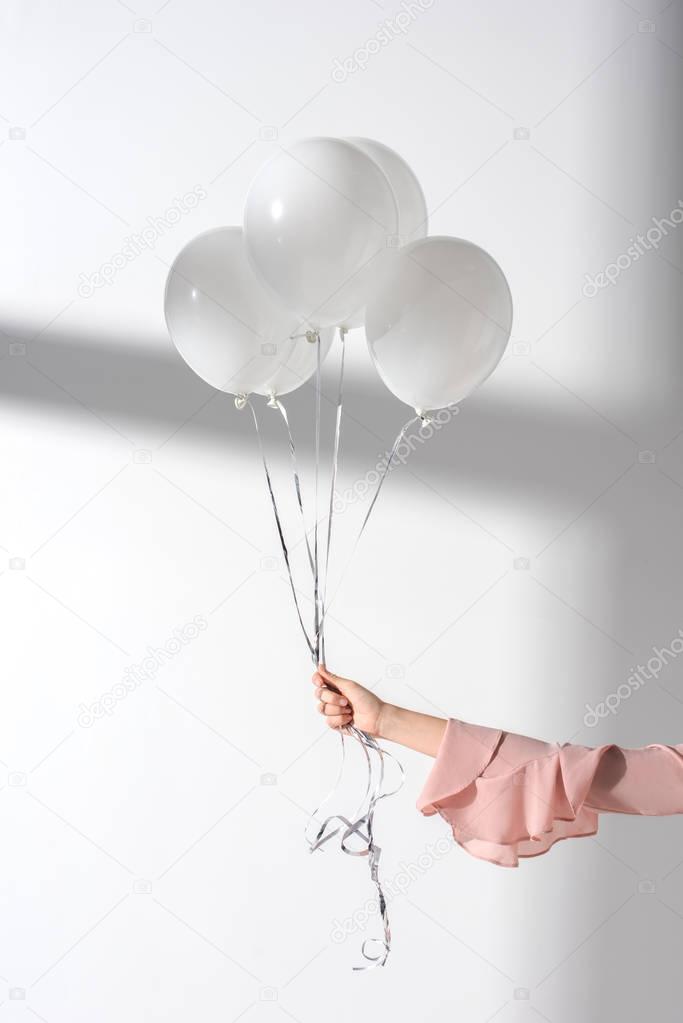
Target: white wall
(148,873)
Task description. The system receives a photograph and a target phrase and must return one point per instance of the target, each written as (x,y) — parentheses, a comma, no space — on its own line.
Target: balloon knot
(240,401)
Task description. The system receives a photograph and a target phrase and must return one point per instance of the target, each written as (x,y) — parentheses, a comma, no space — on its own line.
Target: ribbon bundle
(356,835)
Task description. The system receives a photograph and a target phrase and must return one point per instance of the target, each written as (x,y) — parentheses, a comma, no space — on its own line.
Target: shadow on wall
(492,446)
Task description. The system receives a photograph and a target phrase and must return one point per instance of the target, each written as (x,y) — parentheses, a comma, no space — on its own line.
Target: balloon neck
(272,401)
(425,420)
(240,401)
(312,336)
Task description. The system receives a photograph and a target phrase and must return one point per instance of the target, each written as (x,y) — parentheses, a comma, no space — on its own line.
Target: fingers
(329,697)
(321,681)
(332,704)
(333,710)
(335,720)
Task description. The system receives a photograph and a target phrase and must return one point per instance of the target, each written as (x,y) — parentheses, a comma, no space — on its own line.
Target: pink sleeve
(508,796)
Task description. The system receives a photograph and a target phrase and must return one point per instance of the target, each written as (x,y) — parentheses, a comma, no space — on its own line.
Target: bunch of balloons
(335,235)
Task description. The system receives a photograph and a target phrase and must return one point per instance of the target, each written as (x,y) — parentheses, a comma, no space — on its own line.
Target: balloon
(440,321)
(317,217)
(227,327)
(410,201)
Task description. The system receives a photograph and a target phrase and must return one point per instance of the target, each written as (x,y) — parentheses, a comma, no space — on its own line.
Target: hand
(344,702)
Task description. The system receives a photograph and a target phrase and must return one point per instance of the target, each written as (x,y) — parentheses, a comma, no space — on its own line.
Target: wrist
(420,732)
(386,720)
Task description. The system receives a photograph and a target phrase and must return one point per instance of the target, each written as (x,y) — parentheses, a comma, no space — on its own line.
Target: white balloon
(413,219)
(410,203)
(227,327)
(317,217)
(440,321)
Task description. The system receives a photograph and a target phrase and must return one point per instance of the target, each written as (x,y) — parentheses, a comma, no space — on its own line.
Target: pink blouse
(507,796)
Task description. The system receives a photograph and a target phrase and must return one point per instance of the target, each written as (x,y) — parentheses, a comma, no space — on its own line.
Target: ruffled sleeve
(508,796)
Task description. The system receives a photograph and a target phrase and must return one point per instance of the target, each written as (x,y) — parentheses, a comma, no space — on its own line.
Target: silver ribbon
(356,834)
(316,563)
(333,483)
(361,827)
(277,404)
(283,543)
(399,437)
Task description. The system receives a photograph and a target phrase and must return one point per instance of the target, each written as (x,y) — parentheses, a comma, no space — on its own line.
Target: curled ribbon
(362,828)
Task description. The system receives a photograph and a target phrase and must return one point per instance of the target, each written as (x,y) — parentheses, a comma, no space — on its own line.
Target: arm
(607,778)
(505,795)
(344,702)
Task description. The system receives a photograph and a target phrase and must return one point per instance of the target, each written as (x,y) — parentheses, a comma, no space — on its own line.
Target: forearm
(420,732)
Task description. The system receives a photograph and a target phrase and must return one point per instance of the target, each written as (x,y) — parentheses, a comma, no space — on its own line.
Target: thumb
(334,681)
